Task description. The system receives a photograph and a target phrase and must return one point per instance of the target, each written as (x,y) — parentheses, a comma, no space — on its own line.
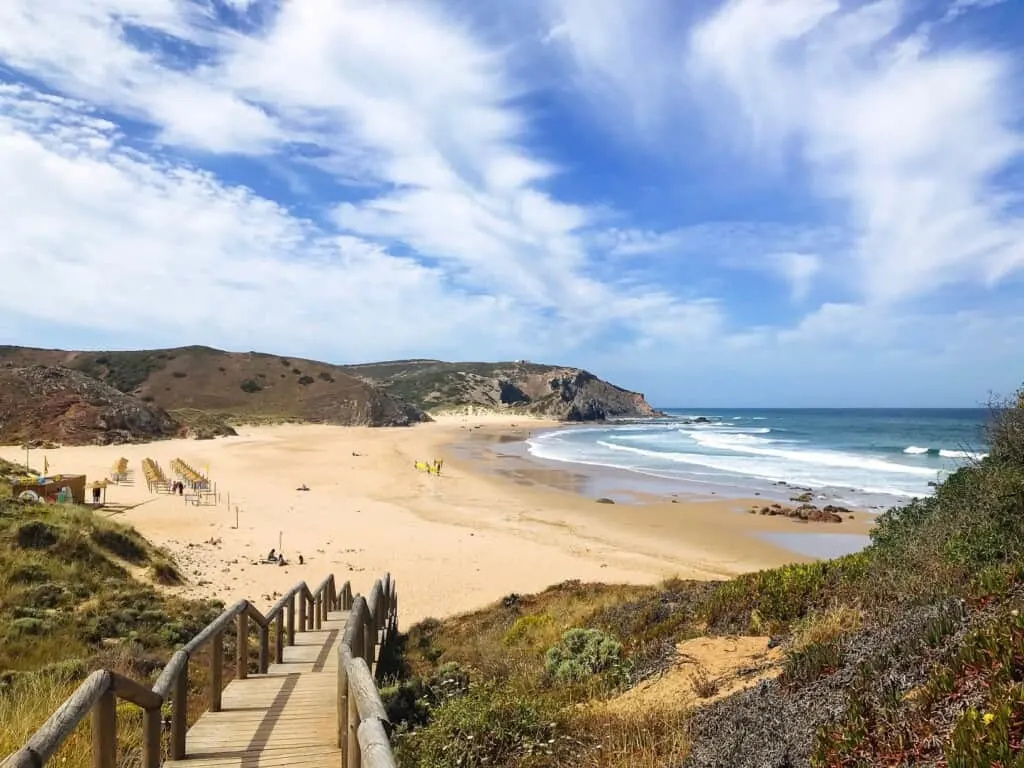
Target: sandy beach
(454,542)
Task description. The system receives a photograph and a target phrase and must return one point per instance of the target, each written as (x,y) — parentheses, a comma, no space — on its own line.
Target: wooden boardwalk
(287,717)
(296,712)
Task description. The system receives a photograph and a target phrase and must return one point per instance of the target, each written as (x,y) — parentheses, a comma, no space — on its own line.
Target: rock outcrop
(52,403)
(805,513)
(554,392)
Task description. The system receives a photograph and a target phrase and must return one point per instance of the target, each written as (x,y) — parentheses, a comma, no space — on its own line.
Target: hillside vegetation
(201,383)
(556,392)
(202,389)
(78,593)
(910,652)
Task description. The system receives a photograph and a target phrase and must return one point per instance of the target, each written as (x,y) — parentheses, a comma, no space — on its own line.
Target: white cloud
(798,269)
(907,137)
(122,240)
(82,48)
(636,242)
(412,97)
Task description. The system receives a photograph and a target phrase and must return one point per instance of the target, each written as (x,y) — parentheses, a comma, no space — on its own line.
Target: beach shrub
(306,380)
(491,725)
(526,628)
(582,653)
(126,544)
(250,386)
(36,535)
(325,376)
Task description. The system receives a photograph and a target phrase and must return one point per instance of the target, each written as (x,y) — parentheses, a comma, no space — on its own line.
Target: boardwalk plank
(284,718)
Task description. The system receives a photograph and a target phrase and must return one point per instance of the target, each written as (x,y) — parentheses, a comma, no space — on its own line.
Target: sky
(792,203)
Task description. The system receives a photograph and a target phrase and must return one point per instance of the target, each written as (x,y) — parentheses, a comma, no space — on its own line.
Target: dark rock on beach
(807,513)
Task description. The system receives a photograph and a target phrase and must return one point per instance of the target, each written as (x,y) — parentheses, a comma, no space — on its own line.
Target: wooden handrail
(363,726)
(98,693)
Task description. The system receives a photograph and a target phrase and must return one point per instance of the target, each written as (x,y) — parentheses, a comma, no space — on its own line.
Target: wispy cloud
(910,139)
(446,178)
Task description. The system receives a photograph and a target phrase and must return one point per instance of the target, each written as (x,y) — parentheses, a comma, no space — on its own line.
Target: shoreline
(481,530)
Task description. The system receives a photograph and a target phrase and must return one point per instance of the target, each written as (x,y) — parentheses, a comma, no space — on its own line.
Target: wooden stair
(287,717)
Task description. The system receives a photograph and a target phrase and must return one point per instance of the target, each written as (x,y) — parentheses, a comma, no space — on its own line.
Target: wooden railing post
(279,649)
(342,703)
(104,731)
(318,611)
(179,714)
(264,648)
(151,739)
(242,650)
(353,754)
(302,612)
(291,620)
(216,671)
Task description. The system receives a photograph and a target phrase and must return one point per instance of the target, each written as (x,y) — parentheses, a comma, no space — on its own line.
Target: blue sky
(745,203)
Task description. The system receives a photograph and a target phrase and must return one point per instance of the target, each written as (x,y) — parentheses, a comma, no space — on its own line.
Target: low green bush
(581,654)
(490,726)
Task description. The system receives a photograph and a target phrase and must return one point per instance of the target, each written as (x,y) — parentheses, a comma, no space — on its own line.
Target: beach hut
(70,488)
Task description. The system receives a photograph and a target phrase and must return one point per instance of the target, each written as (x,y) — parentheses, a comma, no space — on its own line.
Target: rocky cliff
(555,392)
(39,403)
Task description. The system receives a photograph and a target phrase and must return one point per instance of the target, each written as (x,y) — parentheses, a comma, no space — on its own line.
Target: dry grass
(642,738)
(33,698)
(704,685)
(508,639)
(826,626)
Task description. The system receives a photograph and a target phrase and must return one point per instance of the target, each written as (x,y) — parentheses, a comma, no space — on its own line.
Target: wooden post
(318,611)
(242,641)
(352,750)
(279,648)
(179,715)
(291,620)
(151,739)
(104,731)
(264,649)
(369,641)
(216,671)
(302,612)
(342,704)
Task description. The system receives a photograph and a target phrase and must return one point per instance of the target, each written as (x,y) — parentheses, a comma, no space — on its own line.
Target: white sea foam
(946,454)
(813,468)
(727,454)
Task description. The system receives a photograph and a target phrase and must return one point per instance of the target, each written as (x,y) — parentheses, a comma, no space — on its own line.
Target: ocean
(868,458)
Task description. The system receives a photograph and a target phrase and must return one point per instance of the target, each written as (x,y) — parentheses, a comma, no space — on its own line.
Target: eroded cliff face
(561,393)
(577,395)
(40,403)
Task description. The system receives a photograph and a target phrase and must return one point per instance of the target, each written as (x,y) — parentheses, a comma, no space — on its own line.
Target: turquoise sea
(863,457)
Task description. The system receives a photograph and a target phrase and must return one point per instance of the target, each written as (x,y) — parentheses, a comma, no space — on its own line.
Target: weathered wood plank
(286,717)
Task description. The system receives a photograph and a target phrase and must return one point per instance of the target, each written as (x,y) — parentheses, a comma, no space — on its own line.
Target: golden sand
(454,542)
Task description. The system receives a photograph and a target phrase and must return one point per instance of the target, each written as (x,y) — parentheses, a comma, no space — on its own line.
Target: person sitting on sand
(272,557)
(301,560)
